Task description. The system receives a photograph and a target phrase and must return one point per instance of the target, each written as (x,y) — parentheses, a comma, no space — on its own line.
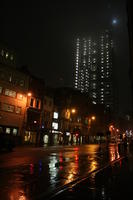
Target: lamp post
(69,116)
(28,95)
(91,119)
(73,111)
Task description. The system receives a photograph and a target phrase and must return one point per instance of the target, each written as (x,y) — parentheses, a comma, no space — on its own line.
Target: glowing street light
(111,128)
(93,118)
(29,94)
(114,21)
(73,110)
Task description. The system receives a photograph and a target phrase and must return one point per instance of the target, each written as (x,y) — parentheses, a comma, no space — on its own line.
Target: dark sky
(42,33)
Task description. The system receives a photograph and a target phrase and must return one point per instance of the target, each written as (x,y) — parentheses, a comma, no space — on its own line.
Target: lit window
(94,96)
(11,57)
(2,52)
(93,68)
(55,125)
(10,93)
(94,76)
(7,55)
(7,107)
(0,89)
(93,85)
(21,83)
(1,129)
(15,131)
(18,110)
(8,130)
(10,78)
(55,115)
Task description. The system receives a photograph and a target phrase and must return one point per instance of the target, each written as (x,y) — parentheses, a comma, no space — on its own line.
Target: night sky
(43,33)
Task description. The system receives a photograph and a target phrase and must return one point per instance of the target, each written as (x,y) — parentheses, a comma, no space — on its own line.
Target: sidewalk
(115,181)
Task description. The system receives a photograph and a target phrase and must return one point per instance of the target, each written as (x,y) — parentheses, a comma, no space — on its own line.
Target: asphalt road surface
(36,172)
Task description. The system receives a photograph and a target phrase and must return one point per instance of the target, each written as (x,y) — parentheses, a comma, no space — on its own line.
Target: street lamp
(73,111)
(90,120)
(93,117)
(29,94)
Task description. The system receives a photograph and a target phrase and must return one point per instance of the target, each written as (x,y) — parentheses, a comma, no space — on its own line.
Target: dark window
(37,103)
(45,101)
(21,83)
(31,102)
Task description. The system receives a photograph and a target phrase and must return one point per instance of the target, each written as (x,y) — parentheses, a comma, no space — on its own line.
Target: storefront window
(8,130)
(45,139)
(15,131)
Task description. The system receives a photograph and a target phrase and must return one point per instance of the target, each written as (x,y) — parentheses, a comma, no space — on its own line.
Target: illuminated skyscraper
(93,68)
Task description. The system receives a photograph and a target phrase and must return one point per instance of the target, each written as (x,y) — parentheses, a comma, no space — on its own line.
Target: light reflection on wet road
(27,173)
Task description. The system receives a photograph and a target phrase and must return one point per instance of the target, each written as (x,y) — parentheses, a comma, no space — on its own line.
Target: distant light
(67,133)
(114,21)
(93,117)
(29,94)
(55,115)
(73,110)
(21,96)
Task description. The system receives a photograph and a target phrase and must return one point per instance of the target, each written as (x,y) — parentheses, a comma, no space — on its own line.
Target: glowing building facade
(93,68)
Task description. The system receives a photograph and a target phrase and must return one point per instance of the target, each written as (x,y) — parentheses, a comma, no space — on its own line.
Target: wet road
(30,173)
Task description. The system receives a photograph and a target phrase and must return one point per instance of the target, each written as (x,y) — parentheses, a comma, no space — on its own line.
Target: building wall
(33,113)
(13,99)
(94,68)
(130,34)
(48,112)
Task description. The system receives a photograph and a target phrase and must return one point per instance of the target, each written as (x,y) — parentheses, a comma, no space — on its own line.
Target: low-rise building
(13,100)
(33,113)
